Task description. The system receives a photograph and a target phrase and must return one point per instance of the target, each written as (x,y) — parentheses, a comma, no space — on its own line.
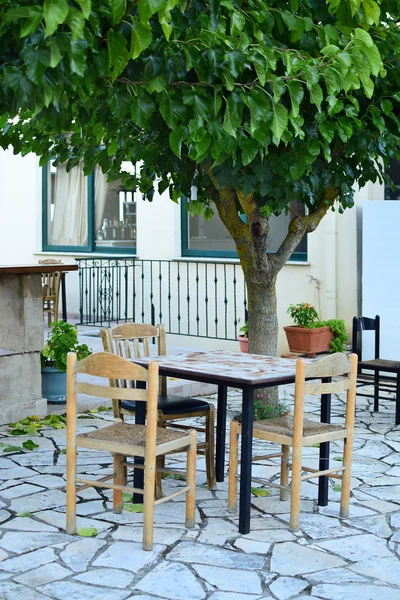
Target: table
(247,372)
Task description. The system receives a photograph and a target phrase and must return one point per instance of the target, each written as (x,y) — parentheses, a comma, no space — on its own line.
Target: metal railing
(202,299)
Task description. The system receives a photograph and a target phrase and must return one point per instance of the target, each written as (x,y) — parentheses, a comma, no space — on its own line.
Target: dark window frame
(187,252)
(91,246)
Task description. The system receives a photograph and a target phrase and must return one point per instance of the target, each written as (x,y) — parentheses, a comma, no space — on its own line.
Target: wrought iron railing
(202,299)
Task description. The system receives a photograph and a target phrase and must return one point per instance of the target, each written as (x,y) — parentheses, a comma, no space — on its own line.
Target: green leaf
(76,22)
(260,492)
(313,147)
(316,95)
(55,54)
(118,55)
(87,532)
(118,9)
(30,445)
(112,148)
(147,8)
(296,93)
(327,130)
(233,115)
(330,50)
(164,18)
(238,22)
(279,121)
(289,20)
(142,107)
(372,11)
(354,6)
(364,37)
(176,138)
(55,12)
(249,147)
(78,57)
(135,508)
(141,38)
(86,7)
(386,106)
(374,59)
(12,449)
(278,87)
(23,514)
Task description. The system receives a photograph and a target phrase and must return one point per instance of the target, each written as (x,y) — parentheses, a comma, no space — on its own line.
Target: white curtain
(100,195)
(69,225)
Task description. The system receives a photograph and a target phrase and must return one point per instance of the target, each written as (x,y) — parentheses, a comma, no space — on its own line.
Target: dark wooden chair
(381,383)
(132,340)
(51,290)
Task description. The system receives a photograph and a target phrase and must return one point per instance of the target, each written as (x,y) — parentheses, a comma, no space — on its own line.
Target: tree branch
(227,209)
(248,203)
(301,225)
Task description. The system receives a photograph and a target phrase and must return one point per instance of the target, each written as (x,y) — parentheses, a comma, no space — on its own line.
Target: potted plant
(243,338)
(310,335)
(63,338)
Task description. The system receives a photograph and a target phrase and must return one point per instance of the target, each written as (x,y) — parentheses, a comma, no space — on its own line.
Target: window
(211,238)
(394,172)
(87,214)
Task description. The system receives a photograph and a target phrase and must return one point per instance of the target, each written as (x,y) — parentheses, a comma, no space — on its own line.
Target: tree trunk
(262,319)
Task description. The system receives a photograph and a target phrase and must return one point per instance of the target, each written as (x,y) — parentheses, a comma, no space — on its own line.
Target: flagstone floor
(330,558)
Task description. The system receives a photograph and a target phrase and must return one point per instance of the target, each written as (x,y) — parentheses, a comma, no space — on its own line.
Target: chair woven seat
(119,434)
(174,405)
(379,363)
(284,426)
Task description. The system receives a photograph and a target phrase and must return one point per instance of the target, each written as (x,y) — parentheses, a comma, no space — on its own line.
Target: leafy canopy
(280,99)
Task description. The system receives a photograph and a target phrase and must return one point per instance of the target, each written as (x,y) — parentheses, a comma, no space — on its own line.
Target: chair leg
(71,490)
(376,391)
(346,478)
(191,479)
(233,467)
(295,488)
(148,501)
(284,472)
(210,448)
(119,476)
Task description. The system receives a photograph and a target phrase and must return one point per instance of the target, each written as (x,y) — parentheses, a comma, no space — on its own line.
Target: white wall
(328,279)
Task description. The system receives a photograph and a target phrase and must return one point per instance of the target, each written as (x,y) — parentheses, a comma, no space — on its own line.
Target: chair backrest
(132,340)
(361,324)
(111,367)
(51,280)
(336,365)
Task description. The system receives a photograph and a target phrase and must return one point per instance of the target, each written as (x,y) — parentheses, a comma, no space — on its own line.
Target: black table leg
(221,433)
(245,470)
(138,474)
(323,482)
(63,298)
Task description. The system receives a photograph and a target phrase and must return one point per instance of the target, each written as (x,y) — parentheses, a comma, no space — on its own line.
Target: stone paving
(330,558)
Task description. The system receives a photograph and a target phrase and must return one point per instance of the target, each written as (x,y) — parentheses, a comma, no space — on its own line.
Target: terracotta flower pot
(243,343)
(308,341)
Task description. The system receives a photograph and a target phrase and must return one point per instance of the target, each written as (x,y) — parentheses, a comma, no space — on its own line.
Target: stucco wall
(328,279)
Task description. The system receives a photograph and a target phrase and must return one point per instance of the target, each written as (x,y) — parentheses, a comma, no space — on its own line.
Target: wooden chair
(122,439)
(124,340)
(51,283)
(376,365)
(298,432)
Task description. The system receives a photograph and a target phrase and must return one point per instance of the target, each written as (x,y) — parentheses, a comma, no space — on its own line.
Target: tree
(263,102)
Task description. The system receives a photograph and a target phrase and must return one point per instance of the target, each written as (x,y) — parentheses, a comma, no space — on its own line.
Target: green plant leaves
(118,9)
(55,12)
(233,114)
(296,93)
(260,492)
(87,532)
(30,445)
(279,121)
(135,508)
(141,37)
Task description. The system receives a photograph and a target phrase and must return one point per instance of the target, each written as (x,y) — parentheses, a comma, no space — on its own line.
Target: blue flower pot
(54,385)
